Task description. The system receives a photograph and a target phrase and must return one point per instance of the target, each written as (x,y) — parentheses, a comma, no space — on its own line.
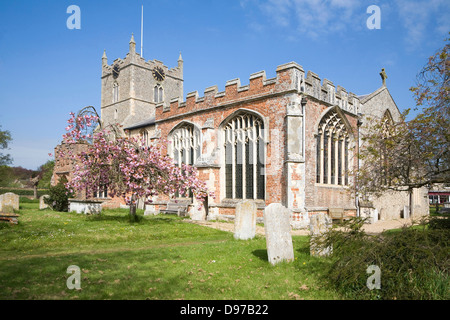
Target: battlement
(290,77)
(328,93)
(134,58)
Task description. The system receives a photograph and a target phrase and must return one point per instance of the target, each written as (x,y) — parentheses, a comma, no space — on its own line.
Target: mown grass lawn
(159,257)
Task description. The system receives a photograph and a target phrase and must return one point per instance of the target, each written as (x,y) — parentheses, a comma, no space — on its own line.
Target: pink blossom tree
(124,165)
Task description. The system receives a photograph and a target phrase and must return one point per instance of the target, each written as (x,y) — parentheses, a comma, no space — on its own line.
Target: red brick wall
(325,196)
(273,109)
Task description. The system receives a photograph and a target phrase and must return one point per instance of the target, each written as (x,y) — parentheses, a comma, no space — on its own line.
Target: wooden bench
(337,214)
(9,217)
(178,207)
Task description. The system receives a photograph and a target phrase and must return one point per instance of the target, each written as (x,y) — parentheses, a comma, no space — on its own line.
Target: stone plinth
(85,206)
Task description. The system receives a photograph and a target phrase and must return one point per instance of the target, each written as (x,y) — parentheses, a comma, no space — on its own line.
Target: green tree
(6,176)
(432,125)
(415,153)
(5,139)
(45,172)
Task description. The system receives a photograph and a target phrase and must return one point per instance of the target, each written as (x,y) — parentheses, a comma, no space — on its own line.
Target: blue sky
(48,70)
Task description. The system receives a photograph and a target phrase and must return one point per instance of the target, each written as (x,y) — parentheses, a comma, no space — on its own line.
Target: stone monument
(320,223)
(42,204)
(10,200)
(245,220)
(278,233)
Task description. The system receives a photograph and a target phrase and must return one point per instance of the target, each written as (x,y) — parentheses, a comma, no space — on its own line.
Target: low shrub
(414,262)
(439,222)
(58,197)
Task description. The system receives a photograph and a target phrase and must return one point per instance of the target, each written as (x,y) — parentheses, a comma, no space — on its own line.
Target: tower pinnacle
(104,58)
(132,44)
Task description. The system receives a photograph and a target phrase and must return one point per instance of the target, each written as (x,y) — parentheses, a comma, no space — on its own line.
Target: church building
(292,139)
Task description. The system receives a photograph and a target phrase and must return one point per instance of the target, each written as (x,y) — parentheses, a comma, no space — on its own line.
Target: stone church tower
(132,88)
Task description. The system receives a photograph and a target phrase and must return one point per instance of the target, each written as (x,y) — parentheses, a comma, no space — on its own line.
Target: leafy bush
(414,262)
(439,222)
(58,199)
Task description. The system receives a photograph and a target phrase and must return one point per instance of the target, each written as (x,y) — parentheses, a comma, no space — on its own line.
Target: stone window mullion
(336,157)
(255,162)
(332,151)
(245,166)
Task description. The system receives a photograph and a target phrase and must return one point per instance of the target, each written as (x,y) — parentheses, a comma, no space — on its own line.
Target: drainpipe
(358,124)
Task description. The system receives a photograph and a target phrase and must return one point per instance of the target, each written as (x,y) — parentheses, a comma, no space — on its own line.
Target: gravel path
(375,228)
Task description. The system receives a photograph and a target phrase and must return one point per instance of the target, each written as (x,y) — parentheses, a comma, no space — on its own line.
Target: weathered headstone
(320,223)
(42,204)
(9,200)
(6,208)
(370,214)
(278,233)
(197,212)
(150,210)
(245,220)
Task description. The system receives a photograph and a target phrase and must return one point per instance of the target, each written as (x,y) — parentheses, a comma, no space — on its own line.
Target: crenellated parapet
(134,59)
(258,87)
(290,77)
(330,94)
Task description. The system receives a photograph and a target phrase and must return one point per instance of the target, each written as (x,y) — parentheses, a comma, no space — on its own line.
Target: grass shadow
(124,217)
(261,254)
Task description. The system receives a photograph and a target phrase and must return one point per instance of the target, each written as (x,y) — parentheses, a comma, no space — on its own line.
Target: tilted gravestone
(42,204)
(9,200)
(245,220)
(320,223)
(278,233)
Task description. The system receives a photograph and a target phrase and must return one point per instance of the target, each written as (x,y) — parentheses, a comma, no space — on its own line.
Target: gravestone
(320,223)
(150,210)
(9,200)
(245,220)
(197,212)
(278,233)
(370,214)
(42,204)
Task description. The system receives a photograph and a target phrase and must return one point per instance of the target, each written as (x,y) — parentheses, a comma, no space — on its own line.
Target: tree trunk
(35,191)
(133,216)
(411,203)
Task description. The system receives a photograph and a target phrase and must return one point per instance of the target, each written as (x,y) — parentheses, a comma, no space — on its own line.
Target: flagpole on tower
(142,31)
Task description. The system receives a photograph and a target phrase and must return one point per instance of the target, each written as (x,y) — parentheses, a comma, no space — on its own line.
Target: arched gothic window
(115,92)
(387,124)
(144,136)
(158,94)
(332,150)
(387,127)
(244,157)
(186,146)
